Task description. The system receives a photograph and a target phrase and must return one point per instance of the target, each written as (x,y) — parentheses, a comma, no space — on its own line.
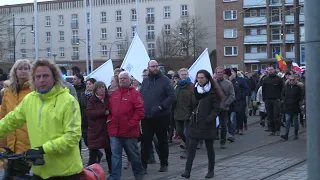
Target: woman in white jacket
(262,107)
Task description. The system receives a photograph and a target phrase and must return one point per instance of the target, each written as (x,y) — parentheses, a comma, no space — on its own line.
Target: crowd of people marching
(42,114)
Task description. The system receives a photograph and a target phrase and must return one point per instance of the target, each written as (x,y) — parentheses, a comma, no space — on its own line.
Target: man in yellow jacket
(53,120)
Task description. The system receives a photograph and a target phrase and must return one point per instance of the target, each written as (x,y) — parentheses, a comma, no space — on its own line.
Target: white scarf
(205,89)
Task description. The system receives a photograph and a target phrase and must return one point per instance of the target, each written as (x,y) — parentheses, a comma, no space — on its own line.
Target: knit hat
(227,71)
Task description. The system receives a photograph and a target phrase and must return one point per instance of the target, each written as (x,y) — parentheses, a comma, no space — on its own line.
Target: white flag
(103,73)
(136,59)
(203,62)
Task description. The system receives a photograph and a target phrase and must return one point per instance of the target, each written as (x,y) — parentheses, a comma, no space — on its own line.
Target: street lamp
(113,44)
(16,35)
(87,53)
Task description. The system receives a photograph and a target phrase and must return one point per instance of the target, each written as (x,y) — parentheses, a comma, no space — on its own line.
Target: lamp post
(15,35)
(112,45)
(87,54)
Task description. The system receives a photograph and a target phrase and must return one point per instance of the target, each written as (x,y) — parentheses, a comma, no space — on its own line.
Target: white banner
(136,59)
(103,73)
(203,62)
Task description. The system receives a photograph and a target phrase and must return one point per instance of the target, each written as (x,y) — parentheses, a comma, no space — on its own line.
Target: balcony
(290,18)
(75,57)
(290,55)
(253,3)
(75,41)
(150,20)
(150,37)
(259,39)
(255,56)
(289,2)
(275,3)
(254,21)
(74,25)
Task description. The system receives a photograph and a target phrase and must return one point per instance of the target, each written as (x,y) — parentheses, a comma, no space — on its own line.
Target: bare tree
(6,34)
(186,39)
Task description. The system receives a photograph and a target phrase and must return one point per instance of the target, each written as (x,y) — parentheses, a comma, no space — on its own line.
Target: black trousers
(94,156)
(273,114)
(158,126)
(240,117)
(223,120)
(172,126)
(72,177)
(193,143)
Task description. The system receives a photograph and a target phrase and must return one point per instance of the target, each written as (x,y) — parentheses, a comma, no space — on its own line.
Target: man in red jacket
(126,110)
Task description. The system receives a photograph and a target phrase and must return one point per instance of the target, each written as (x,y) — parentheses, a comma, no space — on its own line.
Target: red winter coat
(97,128)
(127,109)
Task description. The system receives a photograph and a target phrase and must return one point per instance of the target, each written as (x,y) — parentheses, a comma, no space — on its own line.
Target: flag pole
(91,37)
(86,34)
(36,45)
(137,12)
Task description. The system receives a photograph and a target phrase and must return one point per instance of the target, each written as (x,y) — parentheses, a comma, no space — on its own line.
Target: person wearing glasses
(158,96)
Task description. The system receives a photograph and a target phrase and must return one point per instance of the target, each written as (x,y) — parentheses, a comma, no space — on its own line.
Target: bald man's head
(153,67)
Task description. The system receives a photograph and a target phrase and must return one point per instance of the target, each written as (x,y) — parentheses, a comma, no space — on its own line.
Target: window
(167,12)
(230,33)
(275,49)
(301,10)
(23,53)
(61,51)
(262,12)
(75,38)
(133,30)
(263,49)
(48,21)
(151,50)
(103,33)
(254,67)
(275,15)
(167,29)
(133,14)
(229,0)
(23,38)
(61,35)
(253,49)
(88,34)
(119,49)
(253,13)
(74,18)
(150,15)
(88,18)
(253,32)
(230,51)
(10,54)
(263,31)
(119,32)
(290,30)
(275,1)
(150,32)
(48,52)
(103,17)
(75,52)
(61,20)
(48,37)
(104,50)
(118,15)
(231,66)
(22,21)
(184,10)
(276,34)
(230,15)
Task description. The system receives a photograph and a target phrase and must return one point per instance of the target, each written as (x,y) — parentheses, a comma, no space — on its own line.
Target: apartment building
(250,32)
(62,26)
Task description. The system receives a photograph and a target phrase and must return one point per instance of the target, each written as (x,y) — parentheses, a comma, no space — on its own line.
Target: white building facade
(62,26)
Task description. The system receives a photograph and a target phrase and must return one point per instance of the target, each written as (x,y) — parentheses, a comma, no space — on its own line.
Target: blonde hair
(56,73)
(13,83)
(183,69)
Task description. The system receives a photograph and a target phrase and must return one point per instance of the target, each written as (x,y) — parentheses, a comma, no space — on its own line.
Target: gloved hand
(35,152)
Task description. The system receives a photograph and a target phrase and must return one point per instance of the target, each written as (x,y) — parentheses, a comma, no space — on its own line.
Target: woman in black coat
(203,121)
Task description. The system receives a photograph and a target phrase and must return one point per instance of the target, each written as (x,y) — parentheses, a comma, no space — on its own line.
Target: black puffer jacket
(203,121)
(292,95)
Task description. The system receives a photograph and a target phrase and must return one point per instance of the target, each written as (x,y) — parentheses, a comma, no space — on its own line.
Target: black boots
(186,174)
(210,174)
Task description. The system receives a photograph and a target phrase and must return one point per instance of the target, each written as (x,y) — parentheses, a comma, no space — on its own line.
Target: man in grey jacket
(228,90)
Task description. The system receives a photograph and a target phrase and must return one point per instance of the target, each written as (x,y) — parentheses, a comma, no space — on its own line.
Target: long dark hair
(214,85)
(207,75)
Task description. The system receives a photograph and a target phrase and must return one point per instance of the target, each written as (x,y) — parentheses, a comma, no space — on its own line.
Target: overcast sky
(9,2)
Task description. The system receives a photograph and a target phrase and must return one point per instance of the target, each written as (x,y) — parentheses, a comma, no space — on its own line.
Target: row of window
(103,16)
(275,15)
(233,50)
(76,53)
(103,34)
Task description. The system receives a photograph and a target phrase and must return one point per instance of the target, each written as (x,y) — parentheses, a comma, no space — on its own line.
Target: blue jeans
(232,123)
(131,147)
(294,118)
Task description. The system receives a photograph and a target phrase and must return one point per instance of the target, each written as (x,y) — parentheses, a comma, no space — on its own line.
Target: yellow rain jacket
(54,122)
